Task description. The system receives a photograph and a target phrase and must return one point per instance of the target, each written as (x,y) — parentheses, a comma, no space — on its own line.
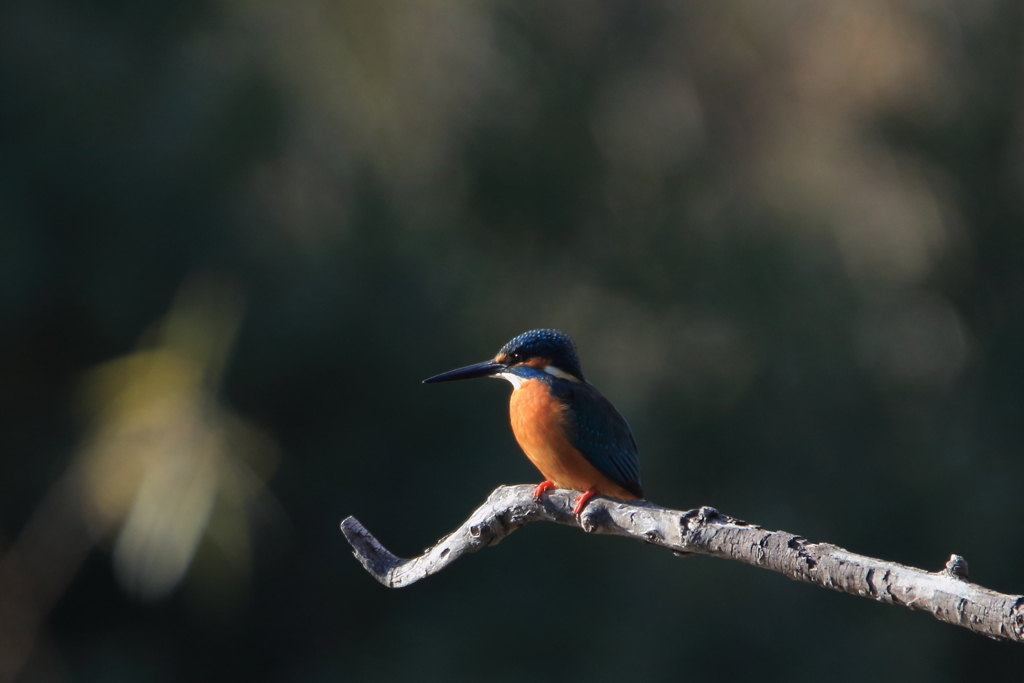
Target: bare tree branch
(946,594)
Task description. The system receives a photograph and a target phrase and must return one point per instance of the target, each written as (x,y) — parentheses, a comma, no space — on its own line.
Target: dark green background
(787,237)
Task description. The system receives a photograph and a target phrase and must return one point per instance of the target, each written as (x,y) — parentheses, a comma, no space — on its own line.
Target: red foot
(542,487)
(581,501)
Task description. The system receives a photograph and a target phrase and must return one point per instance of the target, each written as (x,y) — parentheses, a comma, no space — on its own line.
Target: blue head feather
(554,345)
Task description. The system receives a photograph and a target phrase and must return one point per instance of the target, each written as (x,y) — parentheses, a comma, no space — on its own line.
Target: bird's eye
(514,358)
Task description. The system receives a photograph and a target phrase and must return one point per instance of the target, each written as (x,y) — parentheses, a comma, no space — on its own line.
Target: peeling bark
(946,594)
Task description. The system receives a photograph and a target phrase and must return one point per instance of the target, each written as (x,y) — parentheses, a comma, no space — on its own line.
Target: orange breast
(538,422)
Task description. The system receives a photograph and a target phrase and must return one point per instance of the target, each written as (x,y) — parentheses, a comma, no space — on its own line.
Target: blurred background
(788,238)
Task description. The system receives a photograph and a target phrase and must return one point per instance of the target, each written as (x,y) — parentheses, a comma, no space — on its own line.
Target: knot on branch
(956,567)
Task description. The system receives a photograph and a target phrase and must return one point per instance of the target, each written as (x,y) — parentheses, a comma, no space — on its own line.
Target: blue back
(598,431)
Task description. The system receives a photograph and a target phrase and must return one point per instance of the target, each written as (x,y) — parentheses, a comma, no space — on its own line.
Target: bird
(568,430)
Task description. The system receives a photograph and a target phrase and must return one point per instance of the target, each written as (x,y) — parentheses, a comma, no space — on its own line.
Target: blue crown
(551,344)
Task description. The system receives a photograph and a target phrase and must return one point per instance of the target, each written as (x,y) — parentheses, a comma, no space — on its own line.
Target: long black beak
(488,368)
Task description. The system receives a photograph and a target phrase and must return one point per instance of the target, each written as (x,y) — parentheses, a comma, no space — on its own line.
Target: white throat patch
(513,378)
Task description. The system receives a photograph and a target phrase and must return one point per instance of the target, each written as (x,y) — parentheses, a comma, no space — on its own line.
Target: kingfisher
(568,430)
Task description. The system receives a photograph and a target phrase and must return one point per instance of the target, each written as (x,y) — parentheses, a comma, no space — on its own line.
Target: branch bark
(946,594)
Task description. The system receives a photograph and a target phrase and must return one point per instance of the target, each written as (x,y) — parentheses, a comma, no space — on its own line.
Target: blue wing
(597,429)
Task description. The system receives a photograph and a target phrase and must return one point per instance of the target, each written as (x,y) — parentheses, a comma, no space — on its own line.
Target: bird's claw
(581,502)
(542,487)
